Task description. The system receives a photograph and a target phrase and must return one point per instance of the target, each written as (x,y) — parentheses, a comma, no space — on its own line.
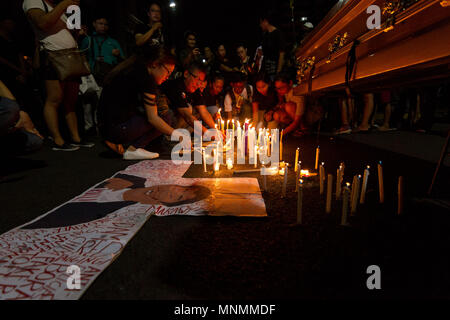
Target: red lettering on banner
(22,296)
(4,287)
(89,195)
(34,285)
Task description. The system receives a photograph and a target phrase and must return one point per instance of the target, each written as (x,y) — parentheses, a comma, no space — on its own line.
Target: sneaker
(343,130)
(82,143)
(139,154)
(64,147)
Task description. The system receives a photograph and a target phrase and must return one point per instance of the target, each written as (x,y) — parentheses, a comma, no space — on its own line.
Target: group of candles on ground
(264,146)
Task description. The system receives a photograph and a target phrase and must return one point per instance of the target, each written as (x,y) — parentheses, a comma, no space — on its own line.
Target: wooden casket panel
(417,49)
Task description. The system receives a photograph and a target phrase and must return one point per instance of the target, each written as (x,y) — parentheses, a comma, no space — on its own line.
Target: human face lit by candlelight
(217,87)
(262,87)
(238,87)
(282,87)
(161,72)
(193,80)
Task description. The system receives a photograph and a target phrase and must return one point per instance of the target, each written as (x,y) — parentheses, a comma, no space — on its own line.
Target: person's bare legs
(367,112)
(54,99)
(70,91)
(387,117)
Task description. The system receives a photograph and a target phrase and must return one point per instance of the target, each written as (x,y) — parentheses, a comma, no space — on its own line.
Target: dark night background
(230,22)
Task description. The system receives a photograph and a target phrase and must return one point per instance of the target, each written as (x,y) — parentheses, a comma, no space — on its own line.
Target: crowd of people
(130,100)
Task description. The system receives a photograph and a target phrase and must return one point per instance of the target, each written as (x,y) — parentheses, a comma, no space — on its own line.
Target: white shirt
(228,103)
(57,41)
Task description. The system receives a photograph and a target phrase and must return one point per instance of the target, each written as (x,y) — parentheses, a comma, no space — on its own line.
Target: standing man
(152,33)
(273,46)
(103,53)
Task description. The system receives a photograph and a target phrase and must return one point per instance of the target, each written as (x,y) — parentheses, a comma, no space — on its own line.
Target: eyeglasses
(193,75)
(168,71)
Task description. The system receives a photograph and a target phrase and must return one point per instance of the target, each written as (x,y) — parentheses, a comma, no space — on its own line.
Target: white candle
(285,180)
(329,191)
(364,185)
(229,164)
(204,159)
(380,182)
(281,145)
(298,174)
(321,177)
(299,201)
(356,195)
(345,204)
(216,160)
(256,156)
(338,182)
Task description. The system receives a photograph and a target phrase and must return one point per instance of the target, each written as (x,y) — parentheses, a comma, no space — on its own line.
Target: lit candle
(223,125)
(259,137)
(283,193)
(329,190)
(321,177)
(229,164)
(317,157)
(228,122)
(345,204)
(246,124)
(296,159)
(281,145)
(299,201)
(256,156)
(380,182)
(298,174)
(232,122)
(204,159)
(400,195)
(364,185)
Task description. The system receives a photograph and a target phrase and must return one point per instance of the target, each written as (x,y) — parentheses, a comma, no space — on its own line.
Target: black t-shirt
(126,89)
(210,99)
(266,102)
(178,96)
(273,43)
(157,38)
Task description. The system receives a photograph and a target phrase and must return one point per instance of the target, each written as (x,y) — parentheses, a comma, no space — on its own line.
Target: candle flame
(348,184)
(301,181)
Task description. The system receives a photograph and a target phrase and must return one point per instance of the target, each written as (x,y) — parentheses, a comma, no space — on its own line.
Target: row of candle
(352,196)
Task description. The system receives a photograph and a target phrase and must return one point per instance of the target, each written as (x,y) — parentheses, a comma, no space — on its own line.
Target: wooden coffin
(414,50)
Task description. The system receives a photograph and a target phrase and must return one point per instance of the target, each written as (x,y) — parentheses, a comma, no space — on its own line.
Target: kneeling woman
(133,84)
